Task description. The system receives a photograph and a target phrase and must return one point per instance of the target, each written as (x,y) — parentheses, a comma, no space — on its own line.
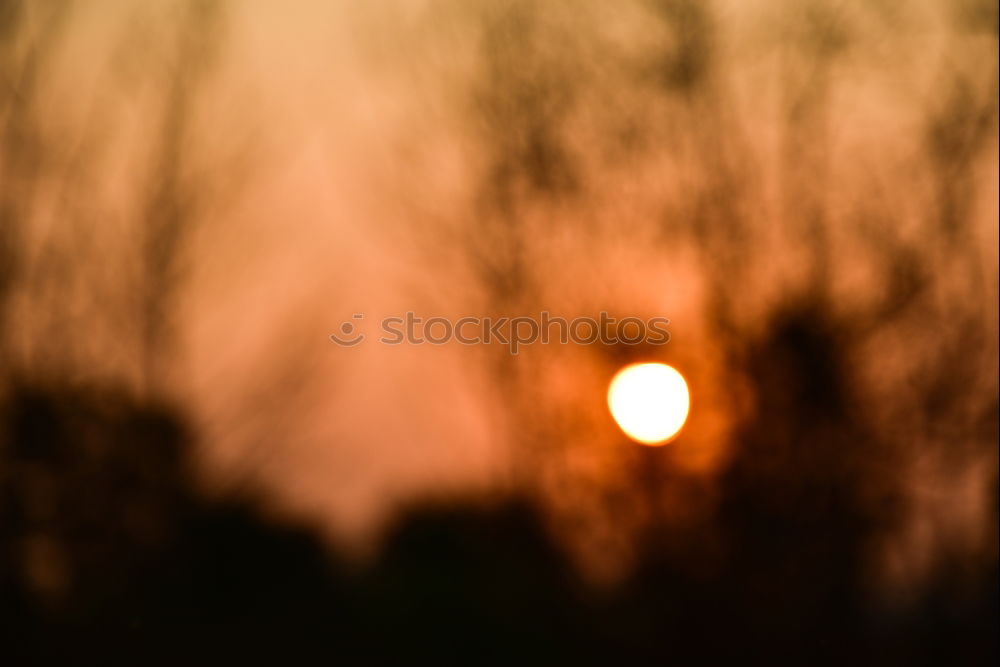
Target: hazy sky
(344,153)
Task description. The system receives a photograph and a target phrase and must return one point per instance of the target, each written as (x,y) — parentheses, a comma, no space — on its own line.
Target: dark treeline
(111,555)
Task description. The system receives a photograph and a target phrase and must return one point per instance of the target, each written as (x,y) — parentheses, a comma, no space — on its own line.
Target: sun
(650,402)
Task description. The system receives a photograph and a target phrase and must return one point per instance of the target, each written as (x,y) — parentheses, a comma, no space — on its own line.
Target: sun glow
(649,401)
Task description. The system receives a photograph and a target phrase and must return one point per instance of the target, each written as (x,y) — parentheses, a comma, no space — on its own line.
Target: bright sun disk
(650,402)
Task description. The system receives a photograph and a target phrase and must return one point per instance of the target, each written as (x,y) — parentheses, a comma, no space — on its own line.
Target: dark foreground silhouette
(109,556)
